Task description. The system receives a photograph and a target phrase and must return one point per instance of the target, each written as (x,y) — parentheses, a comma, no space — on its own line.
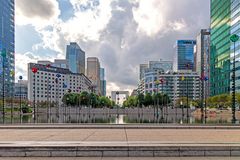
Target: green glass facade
(220,46)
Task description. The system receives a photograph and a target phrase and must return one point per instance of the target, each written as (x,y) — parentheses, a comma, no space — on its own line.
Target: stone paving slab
(125,142)
(119,126)
(117,151)
(122,158)
(158,135)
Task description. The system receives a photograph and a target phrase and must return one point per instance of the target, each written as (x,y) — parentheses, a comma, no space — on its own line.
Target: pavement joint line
(103,142)
(127,140)
(90,135)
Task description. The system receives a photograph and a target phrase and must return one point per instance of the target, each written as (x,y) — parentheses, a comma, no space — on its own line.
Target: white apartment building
(175,84)
(51,83)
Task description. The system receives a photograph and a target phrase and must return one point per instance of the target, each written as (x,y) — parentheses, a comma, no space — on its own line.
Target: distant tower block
(114,94)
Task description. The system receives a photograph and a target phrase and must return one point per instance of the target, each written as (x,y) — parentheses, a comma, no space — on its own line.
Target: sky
(121,33)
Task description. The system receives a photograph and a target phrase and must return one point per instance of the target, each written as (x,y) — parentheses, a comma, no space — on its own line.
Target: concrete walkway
(122,158)
(122,141)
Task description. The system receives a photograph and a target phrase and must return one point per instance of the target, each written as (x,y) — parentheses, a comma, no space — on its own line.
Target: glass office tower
(235,29)
(7,47)
(220,47)
(184,55)
(76,58)
(103,82)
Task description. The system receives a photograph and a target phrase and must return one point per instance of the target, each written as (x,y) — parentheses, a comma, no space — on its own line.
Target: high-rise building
(235,25)
(184,55)
(175,84)
(164,65)
(60,63)
(142,70)
(202,60)
(103,82)
(93,73)
(7,47)
(51,83)
(76,58)
(21,89)
(220,46)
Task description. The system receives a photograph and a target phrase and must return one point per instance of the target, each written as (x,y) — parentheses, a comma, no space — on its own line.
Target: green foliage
(85,98)
(104,101)
(26,109)
(140,99)
(221,101)
(147,100)
(130,102)
(184,102)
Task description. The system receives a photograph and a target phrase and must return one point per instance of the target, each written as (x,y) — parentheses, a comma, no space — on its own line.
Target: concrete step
(117,149)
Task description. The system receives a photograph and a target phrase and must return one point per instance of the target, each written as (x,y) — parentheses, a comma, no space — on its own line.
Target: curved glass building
(7,47)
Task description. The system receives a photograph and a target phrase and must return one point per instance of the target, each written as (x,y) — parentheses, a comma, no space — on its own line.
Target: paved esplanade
(122,158)
(120,134)
(128,140)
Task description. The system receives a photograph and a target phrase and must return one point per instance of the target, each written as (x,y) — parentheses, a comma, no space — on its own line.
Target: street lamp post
(234,38)
(20,89)
(3,54)
(48,105)
(188,67)
(57,96)
(182,93)
(157,83)
(12,95)
(117,93)
(34,70)
(161,81)
(205,105)
(181,104)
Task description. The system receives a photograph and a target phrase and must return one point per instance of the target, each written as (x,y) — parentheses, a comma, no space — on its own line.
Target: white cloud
(111,86)
(135,30)
(178,25)
(87,23)
(22,61)
(40,13)
(150,16)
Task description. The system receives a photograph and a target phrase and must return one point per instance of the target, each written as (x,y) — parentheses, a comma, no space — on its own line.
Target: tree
(104,101)
(148,99)
(84,98)
(140,99)
(131,101)
(158,98)
(166,99)
(93,98)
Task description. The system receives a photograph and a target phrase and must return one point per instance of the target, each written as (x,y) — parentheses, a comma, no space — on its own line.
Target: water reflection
(113,116)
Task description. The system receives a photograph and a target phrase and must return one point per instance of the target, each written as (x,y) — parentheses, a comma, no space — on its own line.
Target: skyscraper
(142,68)
(7,47)
(184,55)
(76,58)
(164,65)
(235,25)
(103,82)
(202,59)
(220,46)
(93,72)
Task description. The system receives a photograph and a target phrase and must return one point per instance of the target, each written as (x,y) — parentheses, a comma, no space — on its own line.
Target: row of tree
(85,98)
(222,101)
(147,100)
(218,101)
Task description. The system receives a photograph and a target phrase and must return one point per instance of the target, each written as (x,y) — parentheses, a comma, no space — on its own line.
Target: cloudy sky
(121,33)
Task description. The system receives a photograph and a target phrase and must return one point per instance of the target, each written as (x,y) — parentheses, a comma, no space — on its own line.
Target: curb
(121,151)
